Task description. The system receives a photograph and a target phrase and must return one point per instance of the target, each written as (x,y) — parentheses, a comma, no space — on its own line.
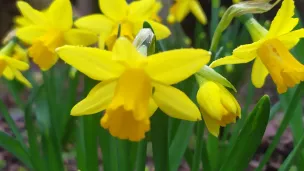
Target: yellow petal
(124,50)
(80,37)
(161,31)
(259,73)
(31,14)
(197,11)
(173,66)
(30,33)
(90,22)
(60,14)
(20,65)
(229,60)
(8,73)
(212,125)
(22,79)
(97,100)
(152,107)
(175,103)
(291,39)
(181,10)
(141,9)
(95,63)
(247,51)
(115,9)
(242,54)
(283,21)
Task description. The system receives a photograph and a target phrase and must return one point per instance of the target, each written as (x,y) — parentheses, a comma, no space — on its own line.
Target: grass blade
(199,146)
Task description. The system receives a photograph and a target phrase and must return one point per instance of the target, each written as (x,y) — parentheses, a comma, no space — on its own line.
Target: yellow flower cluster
(132,85)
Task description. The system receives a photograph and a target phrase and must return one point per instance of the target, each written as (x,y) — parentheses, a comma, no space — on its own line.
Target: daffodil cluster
(134,84)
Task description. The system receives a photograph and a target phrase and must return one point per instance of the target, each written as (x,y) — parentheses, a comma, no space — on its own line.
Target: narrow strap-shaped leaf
(288,161)
(159,137)
(249,138)
(199,146)
(287,117)
(34,147)
(12,145)
(141,155)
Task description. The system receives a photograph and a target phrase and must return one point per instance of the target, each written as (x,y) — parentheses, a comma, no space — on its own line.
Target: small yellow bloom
(129,17)
(48,30)
(271,51)
(181,9)
(10,68)
(133,86)
(217,105)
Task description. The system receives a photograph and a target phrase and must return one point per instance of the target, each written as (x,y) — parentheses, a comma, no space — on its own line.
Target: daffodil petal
(212,125)
(173,66)
(115,9)
(229,60)
(283,21)
(22,79)
(8,73)
(182,9)
(124,50)
(248,50)
(96,22)
(259,73)
(30,33)
(61,14)
(161,31)
(152,107)
(80,37)
(141,9)
(197,11)
(97,100)
(20,65)
(291,39)
(175,103)
(93,62)
(31,14)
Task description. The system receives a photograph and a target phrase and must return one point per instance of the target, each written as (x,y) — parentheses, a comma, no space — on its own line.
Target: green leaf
(159,137)
(288,161)
(12,145)
(249,138)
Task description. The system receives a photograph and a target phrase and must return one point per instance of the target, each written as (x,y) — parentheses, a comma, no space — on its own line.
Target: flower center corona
(284,69)
(43,49)
(127,116)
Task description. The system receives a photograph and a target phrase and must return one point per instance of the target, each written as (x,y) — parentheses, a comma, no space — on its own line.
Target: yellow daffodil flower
(133,86)
(129,17)
(49,30)
(11,68)
(181,9)
(217,104)
(271,51)
(155,11)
